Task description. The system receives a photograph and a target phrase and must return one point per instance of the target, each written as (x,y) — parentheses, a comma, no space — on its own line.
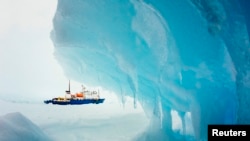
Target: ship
(83,97)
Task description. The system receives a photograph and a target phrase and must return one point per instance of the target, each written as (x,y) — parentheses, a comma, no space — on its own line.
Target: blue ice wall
(182,55)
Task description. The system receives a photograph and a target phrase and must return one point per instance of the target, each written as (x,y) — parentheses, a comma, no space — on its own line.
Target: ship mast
(69,85)
(68,92)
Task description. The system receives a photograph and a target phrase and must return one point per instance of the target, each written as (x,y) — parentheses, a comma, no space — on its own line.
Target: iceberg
(191,57)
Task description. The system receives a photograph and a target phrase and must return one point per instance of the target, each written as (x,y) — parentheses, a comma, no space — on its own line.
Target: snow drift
(16,127)
(187,56)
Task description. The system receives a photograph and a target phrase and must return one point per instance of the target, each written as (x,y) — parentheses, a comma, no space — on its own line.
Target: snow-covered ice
(72,122)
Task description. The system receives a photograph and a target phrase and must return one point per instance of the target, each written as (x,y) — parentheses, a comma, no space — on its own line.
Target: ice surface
(109,121)
(187,56)
(231,22)
(16,127)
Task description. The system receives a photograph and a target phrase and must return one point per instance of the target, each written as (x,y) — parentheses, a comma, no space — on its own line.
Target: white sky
(27,66)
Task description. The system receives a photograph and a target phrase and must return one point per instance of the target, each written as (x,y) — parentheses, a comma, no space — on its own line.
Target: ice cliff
(189,56)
